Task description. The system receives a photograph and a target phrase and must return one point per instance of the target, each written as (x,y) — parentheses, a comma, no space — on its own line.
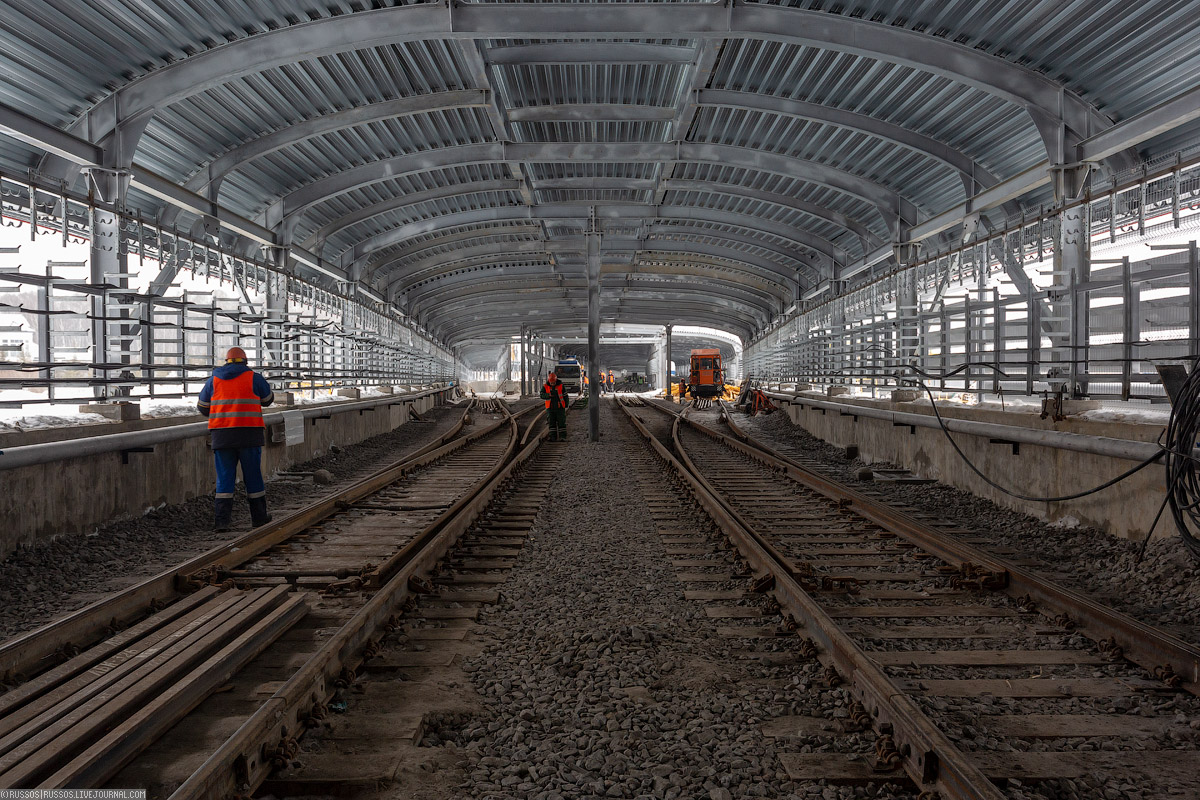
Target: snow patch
(24,421)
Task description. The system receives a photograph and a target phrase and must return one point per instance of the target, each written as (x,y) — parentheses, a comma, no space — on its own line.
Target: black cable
(1182,475)
(1140,466)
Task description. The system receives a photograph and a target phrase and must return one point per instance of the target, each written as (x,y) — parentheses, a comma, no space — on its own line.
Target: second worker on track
(557,400)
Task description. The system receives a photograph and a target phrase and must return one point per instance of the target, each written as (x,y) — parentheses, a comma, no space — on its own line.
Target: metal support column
(276,313)
(667,363)
(1193,299)
(108,264)
(524,361)
(593,365)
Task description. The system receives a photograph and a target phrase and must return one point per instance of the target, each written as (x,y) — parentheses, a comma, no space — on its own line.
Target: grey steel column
(108,264)
(593,367)
(524,361)
(667,364)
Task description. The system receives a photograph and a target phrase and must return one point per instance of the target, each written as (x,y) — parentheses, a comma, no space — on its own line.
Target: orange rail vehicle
(706,379)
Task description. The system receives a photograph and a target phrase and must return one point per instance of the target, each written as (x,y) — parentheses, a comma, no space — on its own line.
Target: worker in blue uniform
(233,399)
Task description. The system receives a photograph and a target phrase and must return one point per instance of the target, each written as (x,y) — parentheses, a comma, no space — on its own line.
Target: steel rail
(929,757)
(1144,645)
(82,627)
(239,766)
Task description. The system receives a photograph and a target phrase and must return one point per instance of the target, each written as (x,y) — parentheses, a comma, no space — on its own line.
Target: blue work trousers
(227,463)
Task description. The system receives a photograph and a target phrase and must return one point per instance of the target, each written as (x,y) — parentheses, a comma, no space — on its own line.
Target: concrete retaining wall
(76,494)
(1124,510)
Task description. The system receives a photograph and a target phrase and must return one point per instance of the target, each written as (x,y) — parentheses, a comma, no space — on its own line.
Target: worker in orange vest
(232,399)
(557,400)
(612,381)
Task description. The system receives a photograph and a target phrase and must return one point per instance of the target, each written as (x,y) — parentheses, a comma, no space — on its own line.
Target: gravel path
(1164,588)
(42,582)
(605,682)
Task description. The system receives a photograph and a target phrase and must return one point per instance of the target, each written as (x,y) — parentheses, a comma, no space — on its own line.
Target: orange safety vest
(551,389)
(234,404)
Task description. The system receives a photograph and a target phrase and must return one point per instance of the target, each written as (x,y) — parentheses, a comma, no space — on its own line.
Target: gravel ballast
(51,578)
(603,681)
(1163,588)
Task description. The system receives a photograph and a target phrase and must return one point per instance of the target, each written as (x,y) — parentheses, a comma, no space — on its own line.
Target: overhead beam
(812,209)
(316,241)
(1163,118)
(715,256)
(362,252)
(975,175)
(1014,83)
(48,138)
(210,177)
(591,53)
(592,112)
(889,203)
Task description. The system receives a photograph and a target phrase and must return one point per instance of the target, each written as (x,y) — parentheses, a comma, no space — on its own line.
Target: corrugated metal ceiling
(58,58)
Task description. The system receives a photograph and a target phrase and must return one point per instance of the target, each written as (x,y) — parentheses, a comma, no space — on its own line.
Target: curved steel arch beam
(1025,87)
(208,180)
(359,257)
(431,269)
(891,205)
(497,231)
(732,219)
(501,331)
(974,175)
(492,291)
(494,277)
(316,242)
(571,325)
(869,239)
(494,265)
(592,53)
(650,311)
(663,239)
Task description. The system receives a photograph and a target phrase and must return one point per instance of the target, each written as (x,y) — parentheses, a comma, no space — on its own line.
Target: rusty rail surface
(247,757)
(243,762)
(929,757)
(83,627)
(1147,646)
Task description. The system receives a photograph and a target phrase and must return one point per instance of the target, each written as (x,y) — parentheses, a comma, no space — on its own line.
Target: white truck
(571,375)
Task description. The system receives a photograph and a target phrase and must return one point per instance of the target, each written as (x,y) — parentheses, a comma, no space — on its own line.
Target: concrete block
(286,399)
(905,395)
(349,391)
(386,389)
(1079,406)
(1050,406)
(835,391)
(118,412)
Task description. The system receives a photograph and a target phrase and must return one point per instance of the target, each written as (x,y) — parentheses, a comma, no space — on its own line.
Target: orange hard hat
(235,354)
(551,374)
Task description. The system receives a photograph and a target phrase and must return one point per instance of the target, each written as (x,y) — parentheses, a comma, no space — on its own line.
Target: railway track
(974,672)
(200,681)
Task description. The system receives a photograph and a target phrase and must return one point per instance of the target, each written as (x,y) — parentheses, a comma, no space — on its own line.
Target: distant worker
(612,381)
(557,400)
(232,399)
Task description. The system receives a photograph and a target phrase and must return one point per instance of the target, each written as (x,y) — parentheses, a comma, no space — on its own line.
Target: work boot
(222,514)
(258,511)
